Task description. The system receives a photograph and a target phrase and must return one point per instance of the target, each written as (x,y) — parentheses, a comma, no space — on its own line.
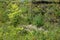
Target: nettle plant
(16,14)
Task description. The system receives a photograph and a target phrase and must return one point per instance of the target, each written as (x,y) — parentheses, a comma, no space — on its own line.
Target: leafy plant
(38,20)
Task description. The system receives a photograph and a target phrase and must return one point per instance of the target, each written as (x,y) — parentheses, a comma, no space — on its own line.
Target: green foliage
(18,33)
(38,20)
(14,14)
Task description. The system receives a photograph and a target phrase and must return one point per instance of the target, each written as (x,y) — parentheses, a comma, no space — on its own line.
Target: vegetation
(23,20)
